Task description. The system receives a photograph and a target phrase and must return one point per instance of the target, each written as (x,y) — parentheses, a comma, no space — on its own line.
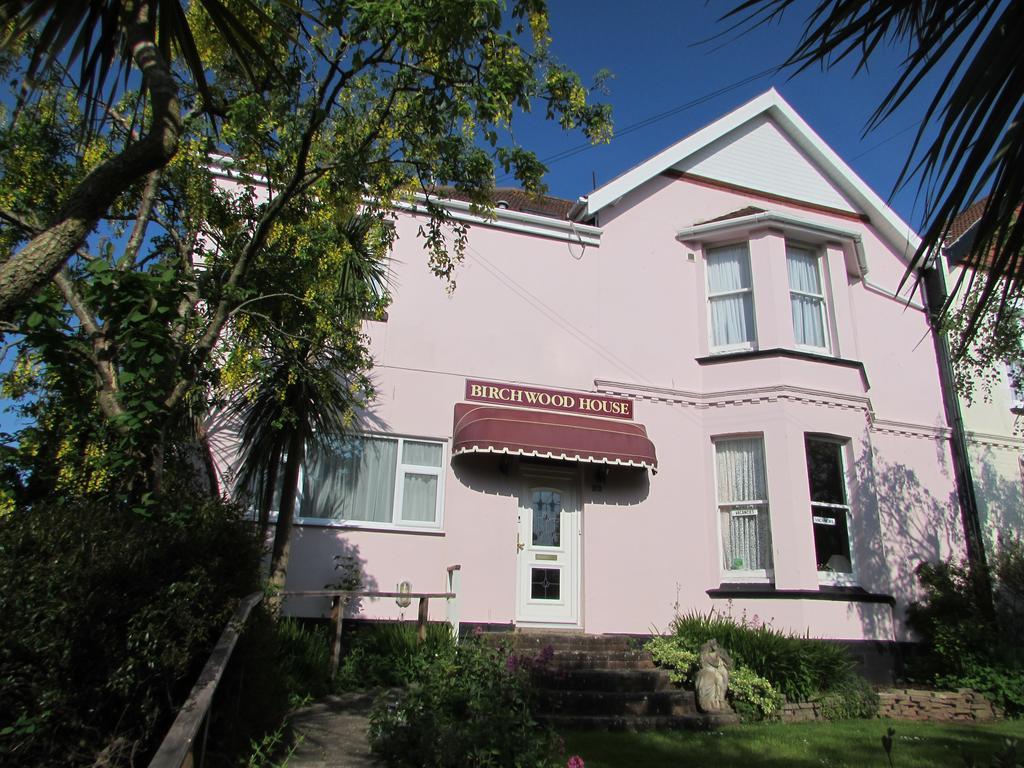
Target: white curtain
(421,454)
(354,480)
(732,314)
(743,494)
(805,296)
(419,497)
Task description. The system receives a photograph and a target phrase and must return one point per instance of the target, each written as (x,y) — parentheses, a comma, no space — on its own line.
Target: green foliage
(108,617)
(388,654)
(966,646)
(852,697)
(752,695)
(998,341)
(469,708)
(670,652)
(799,667)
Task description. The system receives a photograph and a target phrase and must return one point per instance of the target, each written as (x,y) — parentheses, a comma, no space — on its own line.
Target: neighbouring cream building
(695,388)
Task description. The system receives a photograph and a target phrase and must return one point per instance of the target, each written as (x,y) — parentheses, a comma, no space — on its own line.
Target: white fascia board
(515,221)
(888,223)
(893,229)
(608,193)
(785,221)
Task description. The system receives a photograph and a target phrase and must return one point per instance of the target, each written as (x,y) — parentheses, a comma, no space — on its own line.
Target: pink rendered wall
(633,311)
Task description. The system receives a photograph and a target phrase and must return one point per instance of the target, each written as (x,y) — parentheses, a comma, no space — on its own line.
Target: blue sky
(654,50)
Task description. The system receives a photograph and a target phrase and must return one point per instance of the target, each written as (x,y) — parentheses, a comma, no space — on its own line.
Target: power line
(647,121)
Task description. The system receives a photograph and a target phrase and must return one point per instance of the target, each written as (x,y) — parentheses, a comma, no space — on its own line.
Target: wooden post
(421,620)
(337,618)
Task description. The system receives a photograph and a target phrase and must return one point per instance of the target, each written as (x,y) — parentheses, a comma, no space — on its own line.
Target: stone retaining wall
(962,705)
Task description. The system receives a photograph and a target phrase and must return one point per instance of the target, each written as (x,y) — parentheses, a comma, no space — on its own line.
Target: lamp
(403,599)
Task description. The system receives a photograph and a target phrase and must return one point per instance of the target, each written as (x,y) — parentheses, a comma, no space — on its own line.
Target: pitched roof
(772,106)
(514,199)
(965,221)
(749,210)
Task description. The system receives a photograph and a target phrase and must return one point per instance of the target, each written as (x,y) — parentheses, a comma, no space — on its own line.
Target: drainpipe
(935,295)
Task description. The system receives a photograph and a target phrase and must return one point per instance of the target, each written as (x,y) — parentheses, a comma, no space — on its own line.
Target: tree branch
(43,256)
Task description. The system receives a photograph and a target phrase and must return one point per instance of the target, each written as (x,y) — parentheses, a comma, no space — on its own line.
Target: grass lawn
(846,744)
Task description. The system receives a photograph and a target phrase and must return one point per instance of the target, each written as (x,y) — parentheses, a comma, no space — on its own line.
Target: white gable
(796,137)
(758,155)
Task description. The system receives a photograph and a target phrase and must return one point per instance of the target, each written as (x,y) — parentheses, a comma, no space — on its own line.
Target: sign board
(549,399)
(823,520)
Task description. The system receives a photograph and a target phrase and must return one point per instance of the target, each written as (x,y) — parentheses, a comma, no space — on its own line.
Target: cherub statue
(713,677)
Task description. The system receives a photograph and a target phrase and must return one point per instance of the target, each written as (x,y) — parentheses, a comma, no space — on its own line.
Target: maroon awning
(524,432)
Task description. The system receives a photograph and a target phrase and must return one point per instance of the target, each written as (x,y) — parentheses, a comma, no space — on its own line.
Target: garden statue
(713,677)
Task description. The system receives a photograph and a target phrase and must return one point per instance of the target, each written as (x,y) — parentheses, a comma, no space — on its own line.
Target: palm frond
(976,111)
(90,36)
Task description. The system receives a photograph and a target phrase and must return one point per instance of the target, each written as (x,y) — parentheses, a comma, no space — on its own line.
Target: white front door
(548,589)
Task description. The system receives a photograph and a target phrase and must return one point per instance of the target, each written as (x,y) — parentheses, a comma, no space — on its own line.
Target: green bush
(388,653)
(850,698)
(798,667)
(107,617)
(469,708)
(966,645)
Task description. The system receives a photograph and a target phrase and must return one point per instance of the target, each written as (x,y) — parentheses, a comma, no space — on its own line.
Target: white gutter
(515,221)
(790,223)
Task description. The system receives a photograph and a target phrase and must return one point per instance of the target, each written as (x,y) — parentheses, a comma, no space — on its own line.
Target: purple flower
(512,663)
(547,653)
(575,762)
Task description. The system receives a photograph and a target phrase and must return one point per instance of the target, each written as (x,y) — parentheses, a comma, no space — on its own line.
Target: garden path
(333,733)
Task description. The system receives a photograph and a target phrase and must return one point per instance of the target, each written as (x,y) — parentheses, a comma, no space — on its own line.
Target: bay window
(374,480)
(830,508)
(730,298)
(743,506)
(806,297)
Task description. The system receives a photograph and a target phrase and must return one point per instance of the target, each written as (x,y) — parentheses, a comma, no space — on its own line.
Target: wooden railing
(178,747)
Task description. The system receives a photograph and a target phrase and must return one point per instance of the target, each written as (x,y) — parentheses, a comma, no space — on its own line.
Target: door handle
(519,544)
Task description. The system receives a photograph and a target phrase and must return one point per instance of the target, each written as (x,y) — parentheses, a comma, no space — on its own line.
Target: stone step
(640,660)
(616,703)
(560,641)
(700,721)
(623,680)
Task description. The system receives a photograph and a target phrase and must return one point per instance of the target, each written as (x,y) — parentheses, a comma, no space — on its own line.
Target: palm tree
(103,40)
(972,48)
(307,393)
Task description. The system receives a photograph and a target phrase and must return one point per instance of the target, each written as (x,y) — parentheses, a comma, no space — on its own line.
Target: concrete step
(622,680)
(616,703)
(699,721)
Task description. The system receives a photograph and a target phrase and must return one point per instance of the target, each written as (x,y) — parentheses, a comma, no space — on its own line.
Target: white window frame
(401,469)
(1016,395)
(725,348)
(832,578)
(752,576)
(820,298)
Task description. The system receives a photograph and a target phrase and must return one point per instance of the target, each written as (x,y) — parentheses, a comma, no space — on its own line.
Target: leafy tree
(971,47)
(106,38)
(377,99)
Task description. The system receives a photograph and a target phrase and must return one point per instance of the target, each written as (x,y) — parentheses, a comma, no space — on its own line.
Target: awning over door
(524,432)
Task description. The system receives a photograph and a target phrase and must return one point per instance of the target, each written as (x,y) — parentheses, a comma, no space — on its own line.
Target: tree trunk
(285,515)
(269,486)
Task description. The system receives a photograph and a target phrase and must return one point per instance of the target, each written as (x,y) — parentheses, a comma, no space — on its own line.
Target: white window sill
(732,349)
(827,579)
(314,522)
(747,577)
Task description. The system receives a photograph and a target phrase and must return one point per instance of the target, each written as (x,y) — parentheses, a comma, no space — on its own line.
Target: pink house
(695,388)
